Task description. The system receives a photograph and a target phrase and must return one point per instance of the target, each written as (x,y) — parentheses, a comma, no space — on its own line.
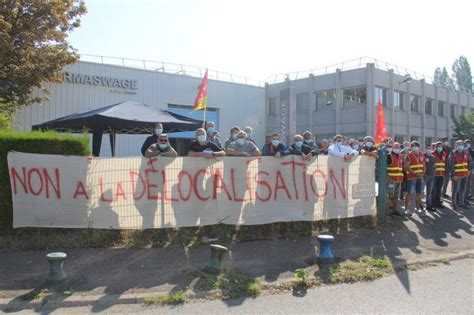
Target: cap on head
(338,137)
(415,143)
(298,138)
(248,129)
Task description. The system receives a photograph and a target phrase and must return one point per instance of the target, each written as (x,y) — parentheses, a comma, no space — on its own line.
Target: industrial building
(339,99)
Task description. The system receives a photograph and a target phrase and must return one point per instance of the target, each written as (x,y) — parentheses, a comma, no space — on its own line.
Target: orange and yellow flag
(201,99)
(381,130)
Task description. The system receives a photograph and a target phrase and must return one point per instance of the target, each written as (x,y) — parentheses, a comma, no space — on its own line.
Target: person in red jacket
(441,159)
(415,170)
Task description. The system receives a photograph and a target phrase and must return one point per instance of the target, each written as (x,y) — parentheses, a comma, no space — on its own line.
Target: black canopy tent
(121,118)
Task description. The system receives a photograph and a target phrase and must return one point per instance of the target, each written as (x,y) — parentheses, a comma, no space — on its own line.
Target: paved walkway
(123,273)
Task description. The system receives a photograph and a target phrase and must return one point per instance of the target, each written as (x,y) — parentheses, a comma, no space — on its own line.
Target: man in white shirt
(342,151)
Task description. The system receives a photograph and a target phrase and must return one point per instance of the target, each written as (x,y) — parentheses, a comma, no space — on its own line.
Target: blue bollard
(56,272)
(325,248)
(217,253)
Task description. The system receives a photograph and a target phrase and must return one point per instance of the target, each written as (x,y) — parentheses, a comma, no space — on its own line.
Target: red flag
(381,131)
(200,101)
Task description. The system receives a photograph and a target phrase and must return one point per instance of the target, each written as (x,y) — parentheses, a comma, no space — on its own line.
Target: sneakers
(407,213)
(420,211)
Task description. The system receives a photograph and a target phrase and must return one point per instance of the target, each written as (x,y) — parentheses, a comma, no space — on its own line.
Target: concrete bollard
(217,253)
(56,272)
(325,248)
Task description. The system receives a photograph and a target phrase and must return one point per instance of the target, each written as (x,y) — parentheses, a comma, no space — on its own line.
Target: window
(399,100)
(325,99)
(272,110)
(429,106)
(440,108)
(415,138)
(355,96)
(453,110)
(415,103)
(428,140)
(399,139)
(380,94)
(302,106)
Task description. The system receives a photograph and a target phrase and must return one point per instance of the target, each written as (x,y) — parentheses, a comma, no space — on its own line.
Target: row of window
(358,96)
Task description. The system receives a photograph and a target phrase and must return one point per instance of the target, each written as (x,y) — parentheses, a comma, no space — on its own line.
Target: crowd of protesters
(411,172)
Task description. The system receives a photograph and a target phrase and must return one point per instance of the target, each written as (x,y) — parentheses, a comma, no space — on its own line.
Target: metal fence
(173,68)
(355,64)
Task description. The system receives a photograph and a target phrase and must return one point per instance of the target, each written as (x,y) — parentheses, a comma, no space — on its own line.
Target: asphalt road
(443,289)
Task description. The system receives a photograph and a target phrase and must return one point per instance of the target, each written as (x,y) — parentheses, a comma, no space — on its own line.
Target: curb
(13,305)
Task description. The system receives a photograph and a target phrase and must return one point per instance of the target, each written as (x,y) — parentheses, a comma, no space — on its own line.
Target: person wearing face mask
(161,148)
(249,132)
(459,172)
(242,146)
(212,134)
(234,131)
(203,148)
(429,177)
(415,170)
(339,150)
(369,148)
(299,147)
(447,150)
(157,130)
(354,144)
(275,148)
(308,139)
(440,158)
(395,177)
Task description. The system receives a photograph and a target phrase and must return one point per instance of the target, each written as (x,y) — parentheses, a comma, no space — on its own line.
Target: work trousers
(458,191)
(445,183)
(437,189)
(429,188)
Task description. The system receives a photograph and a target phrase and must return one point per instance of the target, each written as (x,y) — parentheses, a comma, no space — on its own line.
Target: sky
(257,39)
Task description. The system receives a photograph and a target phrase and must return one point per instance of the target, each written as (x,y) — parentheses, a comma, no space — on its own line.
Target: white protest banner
(137,193)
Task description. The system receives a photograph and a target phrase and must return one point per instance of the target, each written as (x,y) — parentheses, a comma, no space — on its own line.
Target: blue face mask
(308,141)
(234,135)
(355,146)
(338,144)
(369,144)
(396,151)
(439,149)
(275,142)
(211,129)
(415,149)
(158,131)
(460,147)
(201,138)
(468,145)
(298,144)
(240,141)
(163,145)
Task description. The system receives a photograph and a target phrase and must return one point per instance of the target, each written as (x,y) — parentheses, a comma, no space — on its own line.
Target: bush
(5,122)
(32,142)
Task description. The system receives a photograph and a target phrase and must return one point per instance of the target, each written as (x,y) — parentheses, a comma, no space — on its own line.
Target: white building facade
(89,85)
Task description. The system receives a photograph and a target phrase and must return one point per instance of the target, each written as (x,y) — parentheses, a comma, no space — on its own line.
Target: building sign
(98,80)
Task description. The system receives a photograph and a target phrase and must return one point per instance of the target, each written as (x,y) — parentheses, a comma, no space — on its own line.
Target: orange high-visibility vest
(395,169)
(440,163)
(417,165)
(460,165)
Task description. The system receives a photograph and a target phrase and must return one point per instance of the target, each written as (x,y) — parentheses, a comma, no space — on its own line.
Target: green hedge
(32,142)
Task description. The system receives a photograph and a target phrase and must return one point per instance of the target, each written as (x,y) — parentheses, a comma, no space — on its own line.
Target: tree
(34,47)
(441,77)
(462,74)
(463,127)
